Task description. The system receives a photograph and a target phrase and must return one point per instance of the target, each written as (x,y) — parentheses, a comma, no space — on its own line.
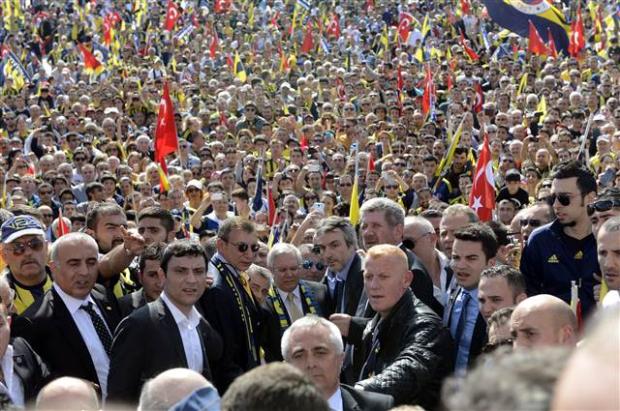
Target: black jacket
(356,400)
(420,272)
(353,288)
(131,302)
(29,367)
(422,283)
(148,342)
(49,328)
(414,354)
(271,333)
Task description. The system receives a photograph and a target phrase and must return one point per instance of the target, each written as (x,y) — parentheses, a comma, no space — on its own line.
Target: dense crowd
(272,205)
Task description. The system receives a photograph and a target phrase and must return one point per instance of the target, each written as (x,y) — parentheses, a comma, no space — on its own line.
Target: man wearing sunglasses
(24,250)
(606,206)
(533,217)
(565,250)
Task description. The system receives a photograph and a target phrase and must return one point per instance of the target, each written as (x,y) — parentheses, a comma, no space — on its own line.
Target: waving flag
(428,98)
(577,40)
(482,196)
(239,69)
(308,43)
(404,26)
(334,27)
(468,50)
(515,15)
(536,45)
(213,44)
(172,15)
(166,141)
(553,52)
(91,64)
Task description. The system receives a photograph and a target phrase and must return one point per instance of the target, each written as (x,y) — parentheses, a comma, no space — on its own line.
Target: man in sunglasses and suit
(228,304)
(564,251)
(24,250)
(289,297)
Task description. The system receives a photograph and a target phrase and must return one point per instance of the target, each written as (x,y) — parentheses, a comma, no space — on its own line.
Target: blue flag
(257,202)
(515,15)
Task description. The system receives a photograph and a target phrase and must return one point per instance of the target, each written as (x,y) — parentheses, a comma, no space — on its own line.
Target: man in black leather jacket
(404,351)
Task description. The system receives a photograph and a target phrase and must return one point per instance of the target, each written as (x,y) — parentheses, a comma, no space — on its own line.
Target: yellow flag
(542,108)
(354,208)
(522,84)
(239,70)
(251,15)
(426,26)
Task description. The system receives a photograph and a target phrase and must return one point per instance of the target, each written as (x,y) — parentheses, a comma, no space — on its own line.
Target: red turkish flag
(482,196)
(470,52)
(400,82)
(62,225)
(213,44)
(479,97)
(536,45)
(333,29)
(577,41)
(172,15)
(166,141)
(404,26)
(553,52)
(428,100)
(308,43)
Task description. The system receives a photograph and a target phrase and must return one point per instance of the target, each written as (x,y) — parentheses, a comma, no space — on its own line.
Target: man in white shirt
(314,345)
(608,245)
(168,332)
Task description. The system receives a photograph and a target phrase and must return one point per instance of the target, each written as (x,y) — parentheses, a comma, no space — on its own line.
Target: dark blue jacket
(549,268)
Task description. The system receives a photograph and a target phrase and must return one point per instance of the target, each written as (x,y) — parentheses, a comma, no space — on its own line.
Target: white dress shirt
(335,401)
(12,385)
(85,326)
(297,299)
(189,334)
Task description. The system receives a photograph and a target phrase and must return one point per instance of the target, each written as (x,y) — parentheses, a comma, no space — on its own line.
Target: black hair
(479,233)
(586,182)
(164,216)
(182,248)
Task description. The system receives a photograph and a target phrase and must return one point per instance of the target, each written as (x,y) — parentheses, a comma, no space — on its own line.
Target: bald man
(171,386)
(543,320)
(68,393)
(405,351)
(608,249)
(591,379)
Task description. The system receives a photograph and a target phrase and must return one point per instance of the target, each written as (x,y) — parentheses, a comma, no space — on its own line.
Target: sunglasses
(531,222)
(20,248)
(563,199)
(243,247)
(409,243)
(307,264)
(602,205)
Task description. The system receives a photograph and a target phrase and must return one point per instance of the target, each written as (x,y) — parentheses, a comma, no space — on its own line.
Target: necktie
(100,328)
(460,326)
(339,295)
(244,278)
(293,309)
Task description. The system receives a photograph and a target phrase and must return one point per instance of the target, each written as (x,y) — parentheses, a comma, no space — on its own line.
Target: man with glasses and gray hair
(565,251)
(606,206)
(289,297)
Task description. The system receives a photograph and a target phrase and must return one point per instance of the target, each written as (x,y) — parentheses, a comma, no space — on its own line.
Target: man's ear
(170,237)
(407,279)
(520,298)
(90,232)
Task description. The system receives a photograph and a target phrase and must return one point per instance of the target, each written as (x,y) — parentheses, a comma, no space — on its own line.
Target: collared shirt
(12,385)
(464,344)
(85,326)
(442,293)
(611,299)
(335,401)
(189,334)
(333,278)
(297,294)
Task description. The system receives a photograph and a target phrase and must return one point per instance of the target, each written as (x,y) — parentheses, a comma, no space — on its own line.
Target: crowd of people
(307,241)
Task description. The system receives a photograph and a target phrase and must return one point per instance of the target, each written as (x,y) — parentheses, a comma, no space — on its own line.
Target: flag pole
(581,156)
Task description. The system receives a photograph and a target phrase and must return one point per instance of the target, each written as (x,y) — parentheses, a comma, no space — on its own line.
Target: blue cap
(19,226)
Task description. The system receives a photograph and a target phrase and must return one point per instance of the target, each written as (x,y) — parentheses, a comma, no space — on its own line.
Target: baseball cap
(513,175)
(19,226)
(194,183)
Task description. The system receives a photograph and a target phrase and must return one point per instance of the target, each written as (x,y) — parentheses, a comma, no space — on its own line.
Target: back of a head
(170,387)
(67,393)
(273,387)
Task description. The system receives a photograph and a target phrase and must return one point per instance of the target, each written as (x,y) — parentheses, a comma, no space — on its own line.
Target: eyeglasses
(531,222)
(602,205)
(20,248)
(307,265)
(563,199)
(409,243)
(243,247)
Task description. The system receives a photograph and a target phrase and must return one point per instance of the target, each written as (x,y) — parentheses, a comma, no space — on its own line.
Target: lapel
(171,329)
(66,326)
(202,328)
(348,402)
(450,307)
(354,285)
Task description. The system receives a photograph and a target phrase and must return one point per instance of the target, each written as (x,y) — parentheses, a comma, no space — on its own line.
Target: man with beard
(565,251)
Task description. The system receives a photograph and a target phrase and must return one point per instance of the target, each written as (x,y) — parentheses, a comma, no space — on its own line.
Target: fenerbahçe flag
(515,15)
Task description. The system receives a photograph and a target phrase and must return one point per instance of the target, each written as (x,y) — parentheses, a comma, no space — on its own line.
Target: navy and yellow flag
(516,14)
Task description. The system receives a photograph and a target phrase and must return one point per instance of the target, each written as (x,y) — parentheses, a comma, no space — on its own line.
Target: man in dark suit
(20,364)
(474,250)
(71,326)
(289,297)
(314,345)
(151,278)
(168,332)
(228,304)
(336,241)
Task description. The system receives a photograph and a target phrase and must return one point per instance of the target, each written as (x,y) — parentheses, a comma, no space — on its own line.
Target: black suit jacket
(221,310)
(422,284)
(131,302)
(49,328)
(272,331)
(148,342)
(479,337)
(31,370)
(356,400)
(353,289)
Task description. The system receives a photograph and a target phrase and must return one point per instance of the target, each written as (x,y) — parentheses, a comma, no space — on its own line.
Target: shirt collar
(73,304)
(179,317)
(284,294)
(335,401)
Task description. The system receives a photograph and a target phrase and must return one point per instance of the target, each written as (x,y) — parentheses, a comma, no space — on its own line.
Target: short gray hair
(81,237)
(611,225)
(461,209)
(334,223)
(262,271)
(282,249)
(311,321)
(392,211)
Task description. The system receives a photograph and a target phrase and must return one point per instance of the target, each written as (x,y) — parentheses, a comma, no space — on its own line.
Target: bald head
(170,387)
(386,277)
(67,393)
(543,320)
